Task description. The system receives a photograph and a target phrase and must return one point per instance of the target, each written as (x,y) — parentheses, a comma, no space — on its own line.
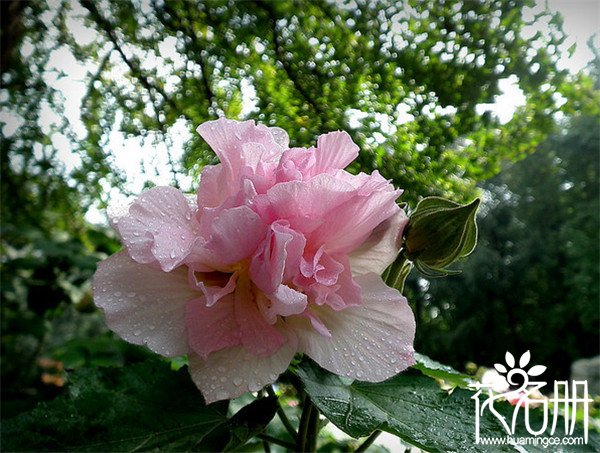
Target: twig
(280,55)
(282,416)
(106,26)
(368,441)
(276,441)
(305,424)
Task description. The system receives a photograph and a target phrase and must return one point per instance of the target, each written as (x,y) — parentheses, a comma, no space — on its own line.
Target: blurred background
(498,99)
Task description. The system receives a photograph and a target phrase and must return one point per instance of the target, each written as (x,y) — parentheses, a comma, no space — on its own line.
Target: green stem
(369,440)
(266,446)
(305,422)
(313,430)
(281,413)
(396,274)
(283,443)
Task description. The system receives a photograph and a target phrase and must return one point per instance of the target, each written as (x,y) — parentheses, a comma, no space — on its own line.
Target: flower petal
(210,190)
(277,258)
(231,372)
(214,285)
(159,228)
(304,203)
(296,164)
(144,305)
(235,235)
(258,336)
(280,136)
(381,248)
(229,140)
(213,328)
(349,224)
(286,301)
(371,342)
(335,151)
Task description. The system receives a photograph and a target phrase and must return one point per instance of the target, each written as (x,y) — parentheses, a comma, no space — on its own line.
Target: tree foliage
(535,269)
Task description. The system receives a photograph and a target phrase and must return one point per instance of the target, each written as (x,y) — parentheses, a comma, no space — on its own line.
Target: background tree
(532,282)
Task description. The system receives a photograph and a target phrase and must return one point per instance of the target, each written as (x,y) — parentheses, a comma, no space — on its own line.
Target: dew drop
(237,381)
(137,332)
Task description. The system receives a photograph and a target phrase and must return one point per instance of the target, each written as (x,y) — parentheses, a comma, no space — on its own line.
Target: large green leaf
(442,372)
(412,407)
(140,407)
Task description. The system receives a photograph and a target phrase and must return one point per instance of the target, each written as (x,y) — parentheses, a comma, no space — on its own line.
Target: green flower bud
(440,232)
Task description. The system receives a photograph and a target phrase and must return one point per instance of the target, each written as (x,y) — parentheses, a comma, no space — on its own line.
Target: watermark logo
(522,390)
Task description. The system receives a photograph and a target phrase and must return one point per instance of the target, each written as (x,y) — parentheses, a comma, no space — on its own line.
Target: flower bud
(440,232)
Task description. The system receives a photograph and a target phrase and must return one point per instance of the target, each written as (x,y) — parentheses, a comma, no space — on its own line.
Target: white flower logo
(511,371)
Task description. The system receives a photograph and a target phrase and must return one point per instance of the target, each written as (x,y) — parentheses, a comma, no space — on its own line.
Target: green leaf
(250,421)
(442,372)
(412,407)
(143,406)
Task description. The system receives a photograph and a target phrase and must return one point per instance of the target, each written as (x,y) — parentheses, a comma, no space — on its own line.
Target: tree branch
(107,27)
(267,6)
(189,31)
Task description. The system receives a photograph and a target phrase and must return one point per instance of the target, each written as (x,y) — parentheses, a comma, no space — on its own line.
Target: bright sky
(141,162)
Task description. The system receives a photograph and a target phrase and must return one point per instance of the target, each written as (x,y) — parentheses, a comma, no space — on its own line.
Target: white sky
(142,162)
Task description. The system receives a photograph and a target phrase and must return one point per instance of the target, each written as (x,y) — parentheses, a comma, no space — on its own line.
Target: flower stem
(281,413)
(396,274)
(284,443)
(304,434)
(266,446)
(367,443)
(313,430)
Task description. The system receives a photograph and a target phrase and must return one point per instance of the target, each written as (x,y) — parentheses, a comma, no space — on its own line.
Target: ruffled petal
(231,372)
(381,248)
(213,328)
(235,235)
(280,136)
(349,224)
(258,336)
(296,164)
(277,258)
(144,305)
(214,285)
(304,204)
(159,227)
(228,137)
(371,342)
(335,151)
(322,267)
(285,301)
(210,190)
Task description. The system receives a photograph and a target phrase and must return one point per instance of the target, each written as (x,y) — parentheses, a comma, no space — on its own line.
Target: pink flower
(280,253)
